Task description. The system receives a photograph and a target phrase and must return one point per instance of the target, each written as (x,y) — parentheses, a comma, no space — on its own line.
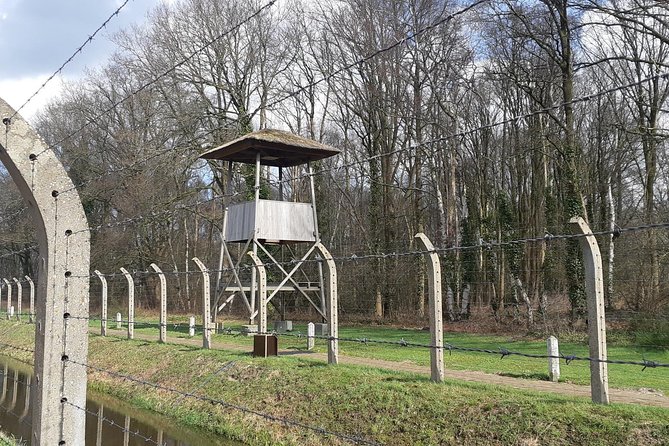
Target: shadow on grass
(294,352)
(312,364)
(188,348)
(532,376)
(406,379)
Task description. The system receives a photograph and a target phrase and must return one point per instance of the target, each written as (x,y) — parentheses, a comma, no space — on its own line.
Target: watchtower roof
(276,147)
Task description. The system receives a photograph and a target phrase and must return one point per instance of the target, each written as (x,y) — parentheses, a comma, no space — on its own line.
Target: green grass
(8,440)
(577,372)
(384,406)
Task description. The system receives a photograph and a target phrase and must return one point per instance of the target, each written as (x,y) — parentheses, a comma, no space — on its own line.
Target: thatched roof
(276,147)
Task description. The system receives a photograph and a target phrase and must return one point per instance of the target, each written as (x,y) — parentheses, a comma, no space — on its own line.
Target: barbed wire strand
(162,75)
(72,57)
(273,418)
(503,351)
(111,422)
(380,256)
(292,94)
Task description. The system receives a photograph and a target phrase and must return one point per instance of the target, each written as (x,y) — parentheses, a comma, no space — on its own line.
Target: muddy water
(109,421)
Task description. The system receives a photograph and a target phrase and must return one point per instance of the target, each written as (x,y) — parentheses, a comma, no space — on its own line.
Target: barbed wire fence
(502,352)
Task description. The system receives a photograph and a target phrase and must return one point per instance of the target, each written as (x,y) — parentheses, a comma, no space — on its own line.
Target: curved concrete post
(330,280)
(8,287)
(131,303)
(163,303)
(63,262)
(103,303)
(19,298)
(31,288)
(436,316)
(261,279)
(206,304)
(594,288)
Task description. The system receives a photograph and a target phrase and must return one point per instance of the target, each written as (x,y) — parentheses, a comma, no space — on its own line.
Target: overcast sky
(37,36)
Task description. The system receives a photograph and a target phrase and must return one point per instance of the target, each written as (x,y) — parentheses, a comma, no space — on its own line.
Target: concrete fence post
(554,360)
(19,298)
(261,286)
(330,282)
(63,260)
(311,334)
(31,288)
(131,303)
(191,326)
(162,337)
(594,287)
(8,287)
(103,309)
(436,318)
(206,304)
(119,321)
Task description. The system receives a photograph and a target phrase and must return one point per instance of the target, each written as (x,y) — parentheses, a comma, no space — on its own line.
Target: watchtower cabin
(262,223)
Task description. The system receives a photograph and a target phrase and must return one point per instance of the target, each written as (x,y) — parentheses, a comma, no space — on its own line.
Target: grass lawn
(378,405)
(6,441)
(577,372)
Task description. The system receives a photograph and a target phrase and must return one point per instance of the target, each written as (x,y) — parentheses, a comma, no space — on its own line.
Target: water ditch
(109,421)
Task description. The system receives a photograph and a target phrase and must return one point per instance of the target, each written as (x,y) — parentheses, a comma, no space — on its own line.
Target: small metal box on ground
(249,330)
(283,326)
(265,345)
(321,329)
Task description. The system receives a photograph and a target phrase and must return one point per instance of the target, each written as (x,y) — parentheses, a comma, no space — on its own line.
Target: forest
(485,124)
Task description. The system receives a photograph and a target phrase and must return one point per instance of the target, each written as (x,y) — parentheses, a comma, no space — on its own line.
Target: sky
(37,36)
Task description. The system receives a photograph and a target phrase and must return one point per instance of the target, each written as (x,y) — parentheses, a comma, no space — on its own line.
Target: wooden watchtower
(262,222)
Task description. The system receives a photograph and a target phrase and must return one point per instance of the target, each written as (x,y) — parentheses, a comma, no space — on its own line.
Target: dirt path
(616,395)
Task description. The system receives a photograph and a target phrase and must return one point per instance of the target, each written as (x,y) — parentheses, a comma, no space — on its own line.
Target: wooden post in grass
(594,287)
(330,285)
(206,304)
(436,318)
(131,303)
(162,337)
(103,308)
